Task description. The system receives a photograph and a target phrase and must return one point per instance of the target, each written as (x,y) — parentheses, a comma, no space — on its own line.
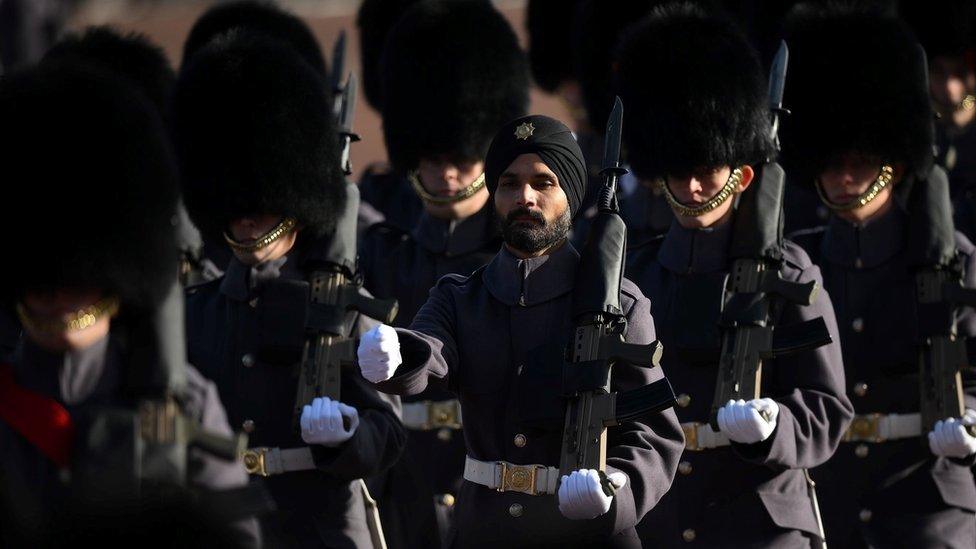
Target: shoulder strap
(38,418)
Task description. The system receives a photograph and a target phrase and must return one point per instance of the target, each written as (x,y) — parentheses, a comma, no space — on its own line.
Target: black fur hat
(694,94)
(550,42)
(89,184)
(131,55)
(374,21)
(453,73)
(944,27)
(259,17)
(255,135)
(856,82)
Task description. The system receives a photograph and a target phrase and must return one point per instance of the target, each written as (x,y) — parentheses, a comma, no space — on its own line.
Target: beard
(539,234)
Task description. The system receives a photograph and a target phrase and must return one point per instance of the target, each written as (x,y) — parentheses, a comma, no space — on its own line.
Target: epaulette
(455,279)
(646,243)
(195,288)
(386,230)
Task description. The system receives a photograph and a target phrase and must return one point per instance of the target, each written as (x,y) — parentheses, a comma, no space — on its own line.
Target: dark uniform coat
(893,493)
(239,335)
(744,495)
(405,266)
(474,336)
(84,382)
(392,196)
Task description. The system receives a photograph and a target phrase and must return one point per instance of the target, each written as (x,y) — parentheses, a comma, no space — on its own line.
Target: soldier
(896,481)
(947,30)
(699,124)
(440,146)
(260,159)
(96,294)
(476,335)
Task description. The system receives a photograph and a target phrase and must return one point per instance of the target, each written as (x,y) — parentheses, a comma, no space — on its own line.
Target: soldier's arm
(378,441)
(218,475)
(814,411)
(428,347)
(646,450)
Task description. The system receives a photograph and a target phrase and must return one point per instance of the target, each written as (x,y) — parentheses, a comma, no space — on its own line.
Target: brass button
(684,468)
(860,389)
(248,360)
(861,450)
(857,325)
(520,440)
(515,510)
(858,263)
(248,426)
(684,399)
(447,500)
(253,303)
(444,435)
(865,515)
(689,535)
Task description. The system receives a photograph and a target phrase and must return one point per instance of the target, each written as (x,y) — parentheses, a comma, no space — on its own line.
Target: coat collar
(869,245)
(453,238)
(528,282)
(241,280)
(695,250)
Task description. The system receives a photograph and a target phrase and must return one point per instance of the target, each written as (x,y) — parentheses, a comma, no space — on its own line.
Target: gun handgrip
(960,295)
(384,310)
(800,293)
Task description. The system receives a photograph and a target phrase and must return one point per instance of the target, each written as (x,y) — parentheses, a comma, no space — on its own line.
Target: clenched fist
(379,353)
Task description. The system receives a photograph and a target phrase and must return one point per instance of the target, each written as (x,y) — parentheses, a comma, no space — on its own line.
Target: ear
(748,174)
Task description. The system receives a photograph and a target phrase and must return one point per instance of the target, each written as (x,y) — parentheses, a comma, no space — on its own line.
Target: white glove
(322,422)
(379,353)
(949,438)
(748,422)
(581,495)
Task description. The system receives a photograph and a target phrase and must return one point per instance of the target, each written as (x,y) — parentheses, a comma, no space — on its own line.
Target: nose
(690,185)
(447,173)
(526,196)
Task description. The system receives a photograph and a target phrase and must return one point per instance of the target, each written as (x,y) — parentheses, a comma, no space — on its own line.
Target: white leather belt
(275,461)
(509,477)
(882,427)
(432,414)
(700,436)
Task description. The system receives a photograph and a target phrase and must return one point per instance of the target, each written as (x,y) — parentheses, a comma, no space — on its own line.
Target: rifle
(334,287)
(344,101)
(598,334)
(754,290)
(939,292)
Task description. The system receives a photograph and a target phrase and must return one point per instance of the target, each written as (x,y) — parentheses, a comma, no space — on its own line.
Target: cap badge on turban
(524,131)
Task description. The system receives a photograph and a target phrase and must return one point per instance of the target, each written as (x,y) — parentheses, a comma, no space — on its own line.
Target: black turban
(548,138)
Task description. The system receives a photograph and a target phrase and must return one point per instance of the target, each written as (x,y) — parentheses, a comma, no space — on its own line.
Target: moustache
(523,212)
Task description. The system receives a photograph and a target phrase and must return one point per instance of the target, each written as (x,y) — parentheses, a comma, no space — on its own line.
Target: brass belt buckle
(691,436)
(865,428)
(443,414)
(254,462)
(518,478)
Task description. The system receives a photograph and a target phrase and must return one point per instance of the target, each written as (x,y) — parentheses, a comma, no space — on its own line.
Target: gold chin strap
(880,183)
(723,194)
(968,103)
(286,226)
(463,194)
(76,321)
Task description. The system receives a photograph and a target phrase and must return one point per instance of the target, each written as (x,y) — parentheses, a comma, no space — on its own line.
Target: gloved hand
(748,422)
(322,422)
(949,438)
(379,353)
(581,495)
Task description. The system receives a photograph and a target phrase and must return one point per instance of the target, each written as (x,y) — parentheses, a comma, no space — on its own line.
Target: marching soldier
(96,292)
(437,139)
(482,335)
(260,157)
(902,477)
(698,123)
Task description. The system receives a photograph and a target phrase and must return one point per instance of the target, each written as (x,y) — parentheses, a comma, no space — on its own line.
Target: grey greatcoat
(405,265)
(474,336)
(743,495)
(247,338)
(893,493)
(85,382)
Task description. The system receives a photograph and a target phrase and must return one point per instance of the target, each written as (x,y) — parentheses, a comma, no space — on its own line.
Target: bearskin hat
(131,55)
(255,135)
(257,17)
(857,81)
(90,185)
(453,74)
(944,27)
(550,45)
(374,21)
(694,94)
